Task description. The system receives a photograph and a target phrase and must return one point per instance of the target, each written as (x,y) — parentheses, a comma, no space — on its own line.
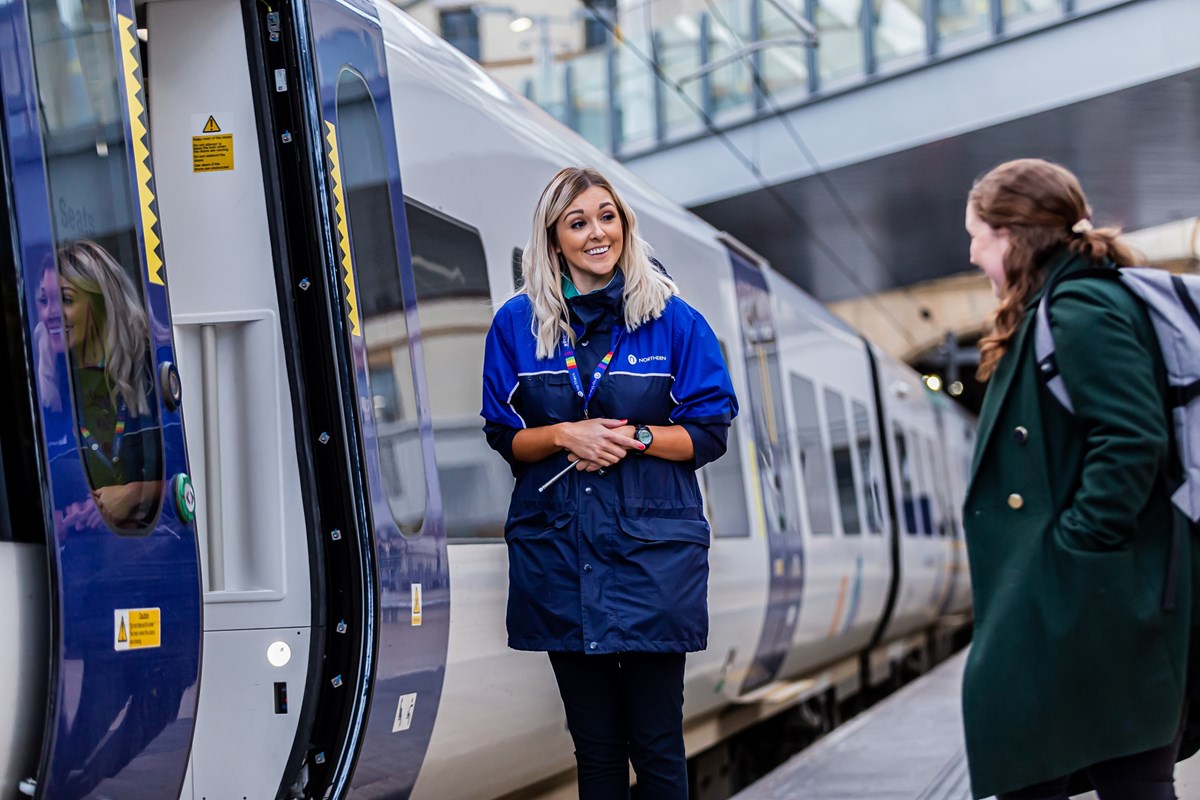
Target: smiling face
(49,308)
(80,320)
(988,246)
(590,237)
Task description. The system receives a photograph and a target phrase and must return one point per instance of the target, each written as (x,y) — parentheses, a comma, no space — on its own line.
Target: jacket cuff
(708,440)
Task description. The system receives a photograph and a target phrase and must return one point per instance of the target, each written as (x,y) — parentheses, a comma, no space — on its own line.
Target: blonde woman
(605,392)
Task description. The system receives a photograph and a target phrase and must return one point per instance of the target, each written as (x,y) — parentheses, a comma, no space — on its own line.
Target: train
(298,588)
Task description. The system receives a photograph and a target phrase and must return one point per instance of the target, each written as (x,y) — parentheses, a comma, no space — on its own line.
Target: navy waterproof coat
(615,562)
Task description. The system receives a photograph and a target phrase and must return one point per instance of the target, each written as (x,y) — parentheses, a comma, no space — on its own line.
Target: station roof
(1135,151)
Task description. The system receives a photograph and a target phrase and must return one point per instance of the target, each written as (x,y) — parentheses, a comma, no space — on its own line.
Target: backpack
(1173,303)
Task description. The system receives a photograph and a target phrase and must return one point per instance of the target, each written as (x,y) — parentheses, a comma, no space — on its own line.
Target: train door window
(380,301)
(942,487)
(864,436)
(924,485)
(765,405)
(94,347)
(454,301)
(843,461)
(811,449)
(904,462)
(728,513)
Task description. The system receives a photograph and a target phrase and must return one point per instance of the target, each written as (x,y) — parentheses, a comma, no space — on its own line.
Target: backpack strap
(1043,337)
(1177,396)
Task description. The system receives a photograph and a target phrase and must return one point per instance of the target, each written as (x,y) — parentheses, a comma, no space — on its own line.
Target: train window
(904,462)
(843,461)
(723,483)
(924,485)
(455,305)
(945,514)
(381,301)
(812,455)
(865,438)
(93,345)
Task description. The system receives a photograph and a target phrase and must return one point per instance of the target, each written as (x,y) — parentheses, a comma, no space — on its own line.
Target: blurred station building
(839,138)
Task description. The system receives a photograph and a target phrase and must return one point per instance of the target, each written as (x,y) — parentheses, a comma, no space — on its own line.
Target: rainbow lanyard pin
(573,370)
(90,442)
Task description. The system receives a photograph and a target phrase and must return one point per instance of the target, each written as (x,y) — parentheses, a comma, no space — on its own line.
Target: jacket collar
(1060,264)
(606,303)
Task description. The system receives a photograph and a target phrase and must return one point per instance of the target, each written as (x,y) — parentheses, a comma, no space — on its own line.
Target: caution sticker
(416,605)
(212,143)
(136,628)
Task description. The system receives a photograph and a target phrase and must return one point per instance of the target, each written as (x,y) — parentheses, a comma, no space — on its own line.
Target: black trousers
(625,708)
(1141,776)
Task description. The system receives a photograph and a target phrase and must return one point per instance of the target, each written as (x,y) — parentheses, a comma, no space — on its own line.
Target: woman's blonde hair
(647,288)
(120,319)
(1043,208)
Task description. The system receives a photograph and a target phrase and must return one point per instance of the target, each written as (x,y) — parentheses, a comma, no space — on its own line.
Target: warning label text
(212,153)
(136,628)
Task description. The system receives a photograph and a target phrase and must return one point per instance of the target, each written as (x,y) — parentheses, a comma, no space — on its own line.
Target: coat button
(587,567)
(587,490)
(593,645)
(1015,501)
(1021,434)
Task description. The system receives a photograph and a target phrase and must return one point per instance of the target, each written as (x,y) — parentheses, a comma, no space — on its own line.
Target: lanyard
(90,442)
(569,354)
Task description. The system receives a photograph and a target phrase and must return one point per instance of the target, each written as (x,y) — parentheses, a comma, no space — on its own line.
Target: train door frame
(97,568)
(24,521)
(300,130)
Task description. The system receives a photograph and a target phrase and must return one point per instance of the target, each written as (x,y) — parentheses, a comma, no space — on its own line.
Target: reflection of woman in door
(105,331)
(93,327)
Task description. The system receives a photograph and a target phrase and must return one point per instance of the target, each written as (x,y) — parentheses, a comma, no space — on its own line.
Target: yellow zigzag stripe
(141,149)
(339,209)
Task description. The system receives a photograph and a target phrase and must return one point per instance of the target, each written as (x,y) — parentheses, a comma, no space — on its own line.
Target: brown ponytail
(1043,208)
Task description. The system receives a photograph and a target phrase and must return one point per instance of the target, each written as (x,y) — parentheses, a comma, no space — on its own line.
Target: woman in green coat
(1076,668)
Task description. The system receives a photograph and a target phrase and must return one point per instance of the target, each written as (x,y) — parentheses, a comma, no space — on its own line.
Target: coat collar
(604,304)
(1058,265)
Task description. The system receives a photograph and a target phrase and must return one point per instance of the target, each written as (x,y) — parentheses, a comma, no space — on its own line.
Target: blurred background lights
(934,382)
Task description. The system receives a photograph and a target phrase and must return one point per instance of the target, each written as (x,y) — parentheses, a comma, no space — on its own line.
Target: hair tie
(1083,226)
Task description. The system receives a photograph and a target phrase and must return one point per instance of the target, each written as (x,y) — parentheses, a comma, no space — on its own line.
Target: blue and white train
(319,204)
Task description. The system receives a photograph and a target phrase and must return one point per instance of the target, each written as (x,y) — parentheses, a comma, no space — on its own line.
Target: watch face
(644,436)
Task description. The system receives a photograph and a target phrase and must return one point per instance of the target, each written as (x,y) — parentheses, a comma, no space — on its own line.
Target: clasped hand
(597,443)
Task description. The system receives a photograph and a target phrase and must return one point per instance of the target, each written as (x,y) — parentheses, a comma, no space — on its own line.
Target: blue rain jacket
(615,562)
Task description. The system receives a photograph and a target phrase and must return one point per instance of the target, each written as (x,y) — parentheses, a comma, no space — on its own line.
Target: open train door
(103,472)
(327,126)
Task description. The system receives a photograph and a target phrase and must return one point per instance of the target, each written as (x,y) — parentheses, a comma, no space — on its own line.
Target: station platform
(908,747)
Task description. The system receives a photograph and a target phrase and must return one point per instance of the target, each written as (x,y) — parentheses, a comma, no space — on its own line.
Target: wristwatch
(644,435)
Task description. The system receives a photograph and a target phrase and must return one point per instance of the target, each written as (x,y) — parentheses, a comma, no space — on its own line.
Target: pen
(564,471)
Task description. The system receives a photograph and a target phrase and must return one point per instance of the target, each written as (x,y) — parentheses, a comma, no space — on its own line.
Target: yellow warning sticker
(213,153)
(211,126)
(136,628)
(416,605)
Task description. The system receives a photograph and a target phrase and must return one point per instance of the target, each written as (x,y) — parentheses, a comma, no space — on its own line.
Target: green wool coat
(1068,524)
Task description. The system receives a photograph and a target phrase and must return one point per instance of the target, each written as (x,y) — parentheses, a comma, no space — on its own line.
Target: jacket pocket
(535,521)
(665,529)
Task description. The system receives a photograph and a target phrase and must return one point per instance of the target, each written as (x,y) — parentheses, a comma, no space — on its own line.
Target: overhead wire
(751,167)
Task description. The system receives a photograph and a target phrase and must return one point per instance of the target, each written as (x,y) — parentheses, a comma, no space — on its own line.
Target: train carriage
(316,205)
